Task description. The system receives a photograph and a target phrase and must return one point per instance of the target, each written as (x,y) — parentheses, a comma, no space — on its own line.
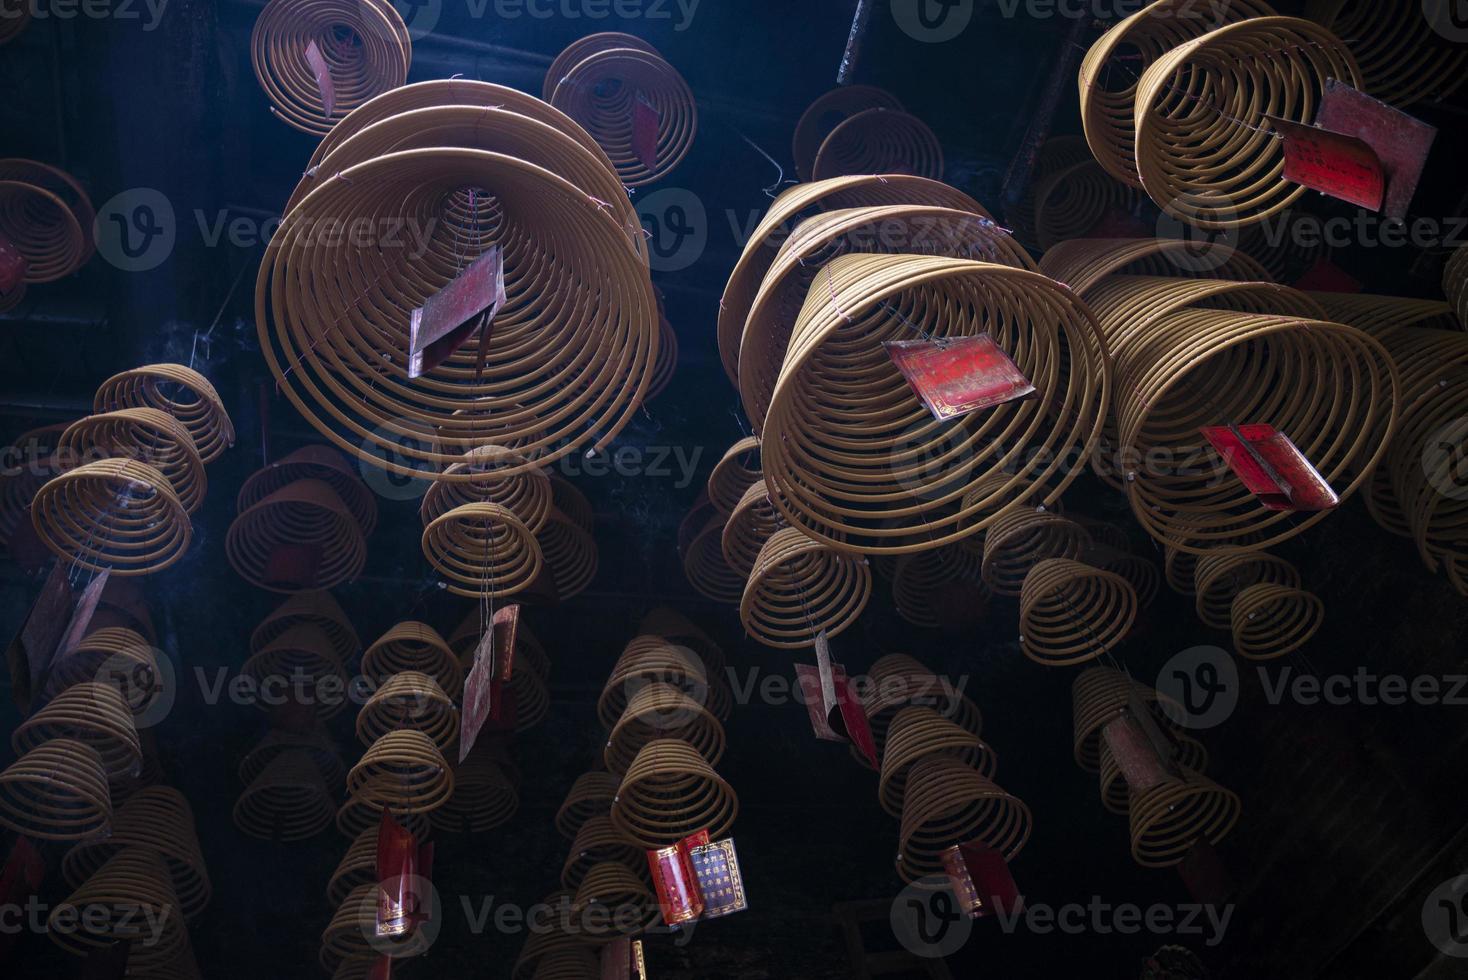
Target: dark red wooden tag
(450,317)
(646,121)
(1399,141)
(1333,163)
(1272,468)
(981,880)
(1327,277)
(12,266)
(31,652)
(397,868)
(485,691)
(957,376)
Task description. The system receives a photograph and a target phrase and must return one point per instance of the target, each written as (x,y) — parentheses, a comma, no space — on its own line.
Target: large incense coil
(1382,316)
(314,463)
(92,712)
(554,377)
(118,515)
(526,493)
(115,655)
(1056,154)
(993,494)
(1455,284)
(798,270)
(43,230)
(409,700)
(1205,152)
(704,565)
(570,553)
(1099,696)
(897,680)
(404,771)
(288,801)
(590,796)
(484,797)
(923,584)
(1071,613)
(662,711)
(602,92)
(919,733)
(174,390)
(365,45)
(1083,263)
(306,518)
(581,49)
(1116,796)
(1018,540)
(318,609)
(1113,66)
(1221,574)
(829,111)
(669,792)
(56,791)
(316,745)
(1271,620)
(132,885)
(648,660)
(303,661)
(1405,48)
(352,932)
(735,472)
(146,435)
(1176,814)
(597,841)
(572,503)
(879,474)
(789,210)
(948,803)
(1330,388)
(611,901)
(58,182)
(1141,572)
(880,141)
(482,549)
(414,646)
(358,866)
(360,812)
(800,588)
(751,522)
(158,819)
(1074,201)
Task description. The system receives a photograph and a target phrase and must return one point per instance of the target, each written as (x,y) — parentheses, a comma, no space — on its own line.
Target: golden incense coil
(114,514)
(669,792)
(56,791)
(314,463)
(174,390)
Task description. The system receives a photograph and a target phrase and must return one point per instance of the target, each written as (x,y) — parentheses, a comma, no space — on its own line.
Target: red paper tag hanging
(322,71)
(81,618)
(854,720)
(31,652)
(1272,468)
(20,878)
(381,969)
(622,959)
(485,691)
(676,882)
(981,880)
(957,376)
(1399,141)
(403,870)
(1333,163)
(12,266)
(646,121)
(449,317)
(1327,277)
(294,566)
(1206,877)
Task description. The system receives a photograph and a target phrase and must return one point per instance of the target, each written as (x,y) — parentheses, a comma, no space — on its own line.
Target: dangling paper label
(1272,468)
(1399,141)
(981,880)
(34,647)
(322,71)
(485,689)
(1336,164)
(954,377)
(623,959)
(646,121)
(451,316)
(676,883)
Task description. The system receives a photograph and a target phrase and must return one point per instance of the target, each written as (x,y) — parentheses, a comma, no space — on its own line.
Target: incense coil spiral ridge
(1072,202)
(1084,263)
(1455,284)
(360,812)
(557,952)
(1099,696)
(703,560)
(896,681)
(669,792)
(133,883)
(879,474)
(482,549)
(56,182)
(415,646)
(318,609)
(880,141)
(800,588)
(1205,152)
(1072,613)
(595,842)
(1116,796)
(118,515)
(1057,153)
(92,712)
(735,472)
(526,493)
(313,742)
(1171,817)
(613,893)
(948,802)
(829,111)
(146,435)
(178,391)
(602,92)
(570,554)
(590,796)
(648,660)
(919,733)
(1271,620)
(158,819)
(1221,574)
(307,519)
(313,463)
(56,791)
(1020,539)
(288,801)
(358,866)
(352,933)
(662,711)
(115,655)
(926,585)
(409,700)
(1406,52)
(752,520)
(1140,572)
(402,771)
(43,230)
(484,797)
(365,45)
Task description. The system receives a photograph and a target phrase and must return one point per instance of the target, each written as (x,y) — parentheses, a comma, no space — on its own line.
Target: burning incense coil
(597,841)
(93,712)
(409,700)
(1084,263)
(482,549)
(927,585)
(703,558)
(751,522)
(897,681)
(946,803)
(1455,284)
(669,792)
(800,588)
(1116,795)
(352,933)
(316,745)
(526,493)
(365,45)
(56,791)
(1075,200)
(288,801)
(1205,152)
(114,514)
(174,390)
(318,609)
(146,435)
(902,484)
(133,884)
(657,711)
(414,646)
(1405,55)
(735,472)
(919,733)
(313,463)
(402,770)
(1071,613)
(1018,540)
(1098,697)
(114,655)
(484,797)
(1221,574)
(611,901)
(301,538)
(43,230)
(570,554)
(590,796)
(1271,620)
(604,82)
(1171,817)
(880,141)
(829,111)
(158,819)
(650,660)
(1139,571)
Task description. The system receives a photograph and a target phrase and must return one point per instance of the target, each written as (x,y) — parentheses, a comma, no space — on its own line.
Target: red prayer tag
(403,867)
(381,969)
(1272,468)
(1399,141)
(322,71)
(1333,163)
(957,376)
(1205,876)
(981,880)
(294,566)
(449,317)
(809,678)
(1141,765)
(485,693)
(646,121)
(12,266)
(854,720)
(676,884)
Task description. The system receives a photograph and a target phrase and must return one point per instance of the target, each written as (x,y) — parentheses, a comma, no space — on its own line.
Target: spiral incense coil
(302,660)
(1427,475)
(1140,572)
(1405,48)
(1099,696)
(306,515)
(662,711)
(414,646)
(1173,816)
(43,230)
(117,656)
(925,584)
(483,550)
(558,952)
(158,819)
(1455,284)
(56,791)
(123,604)
(570,554)
(829,111)
(409,700)
(93,712)
(1020,539)
(174,390)
(318,609)
(288,801)
(1271,620)
(526,493)
(705,567)
(1083,263)
(673,625)
(553,378)
(358,866)
(1056,154)
(1113,66)
(669,792)
(146,435)
(366,47)
(590,796)
(649,660)
(55,181)
(402,770)
(735,472)
(602,92)
(581,49)
(352,933)
(361,812)
(751,522)
(947,803)
(132,887)
(1071,613)
(118,515)
(1221,574)
(800,588)
(919,733)
(313,463)
(15,17)
(315,744)
(484,797)
(896,681)
(597,841)
(611,901)
(1075,200)
(880,141)
(879,471)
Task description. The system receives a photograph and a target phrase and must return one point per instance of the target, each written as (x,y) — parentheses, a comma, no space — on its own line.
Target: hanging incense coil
(526,493)
(647,660)
(1173,816)
(56,791)
(927,585)
(1075,200)
(55,181)
(1071,613)
(1098,697)
(15,17)
(570,554)
(143,434)
(752,521)
(1406,49)
(288,801)
(902,485)
(352,933)
(590,796)
(360,812)
(301,660)
(365,45)
(800,588)
(704,564)
(403,770)
(829,111)
(409,700)
(662,711)
(669,792)
(482,549)
(673,625)
(1221,574)
(414,646)
(735,472)
(1020,539)
(896,681)
(1455,284)
(880,141)
(484,797)
(93,712)
(358,866)
(604,92)
(1384,316)
(132,885)
(314,743)
(1084,263)
(158,819)
(301,538)
(178,391)
(1271,620)
(947,803)
(318,609)
(1056,154)
(313,463)
(597,841)
(1140,572)
(43,230)
(1289,245)
(123,604)
(612,901)
(919,733)
(118,515)
(115,655)
(1116,796)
